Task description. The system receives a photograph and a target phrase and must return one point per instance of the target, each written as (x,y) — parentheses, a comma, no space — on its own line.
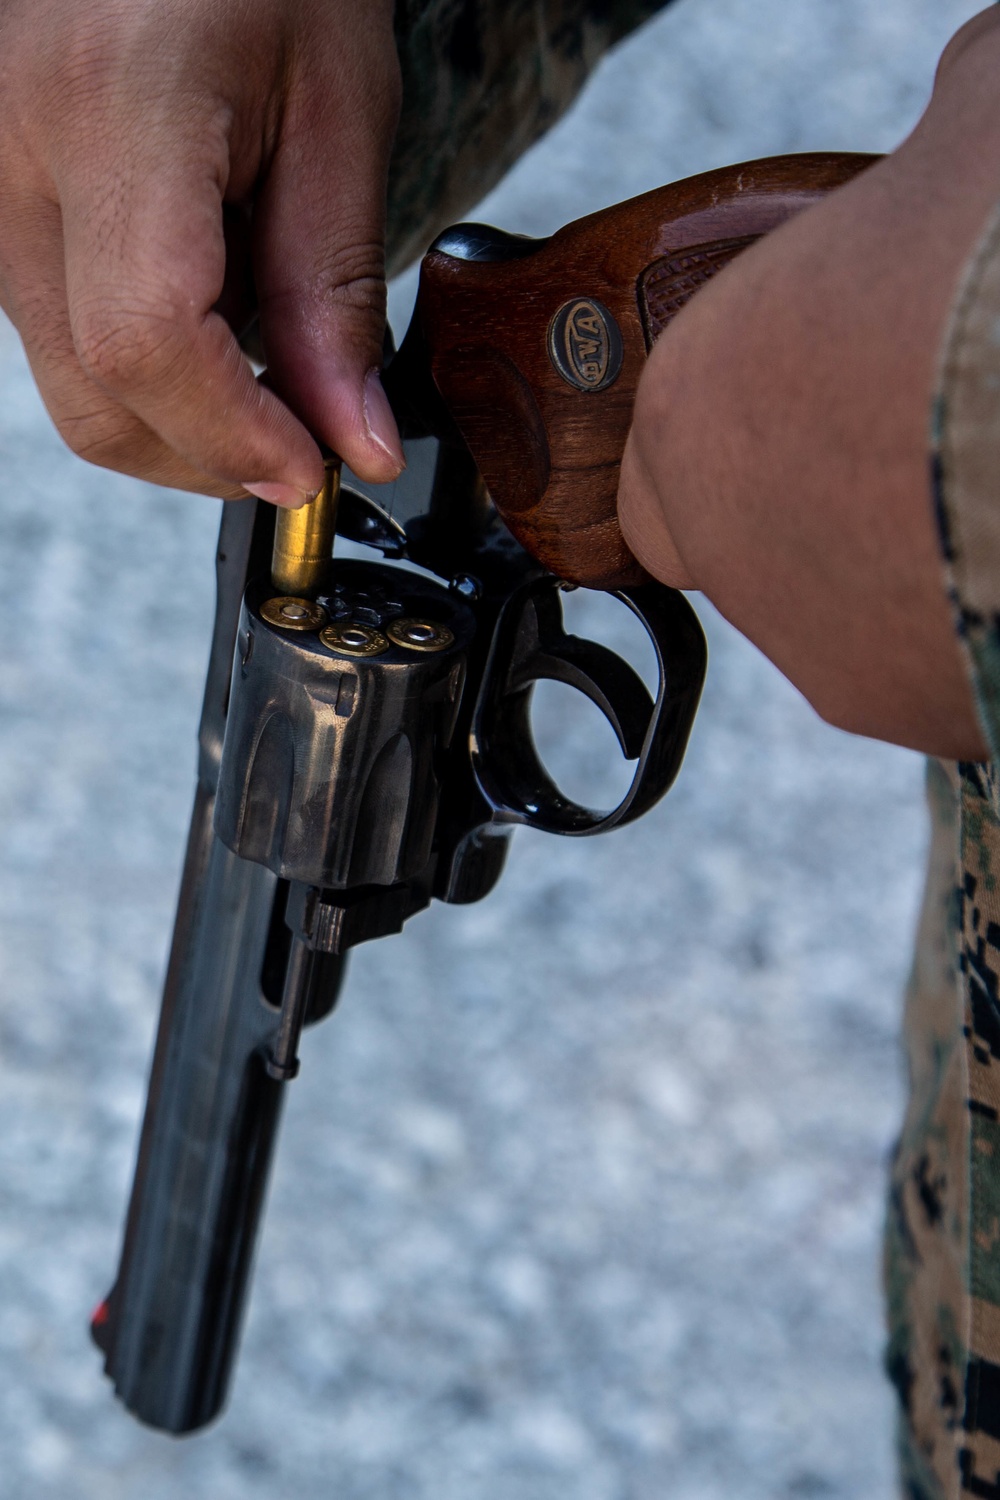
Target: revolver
(365,744)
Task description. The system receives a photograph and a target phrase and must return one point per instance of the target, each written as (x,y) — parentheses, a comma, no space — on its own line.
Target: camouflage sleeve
(966,453)
(482,80)
(943,1232)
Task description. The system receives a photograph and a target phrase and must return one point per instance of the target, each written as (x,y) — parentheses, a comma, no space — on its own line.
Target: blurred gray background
(579,1194)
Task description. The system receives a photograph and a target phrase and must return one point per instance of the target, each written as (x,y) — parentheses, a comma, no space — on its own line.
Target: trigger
(610,683)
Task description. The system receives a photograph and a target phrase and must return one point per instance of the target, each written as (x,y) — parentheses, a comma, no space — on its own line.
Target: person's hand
(779,455)
(130,130)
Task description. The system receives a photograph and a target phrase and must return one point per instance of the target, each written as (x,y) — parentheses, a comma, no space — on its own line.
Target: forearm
(779,456)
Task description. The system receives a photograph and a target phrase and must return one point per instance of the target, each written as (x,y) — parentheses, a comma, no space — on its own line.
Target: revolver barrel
(170,1326)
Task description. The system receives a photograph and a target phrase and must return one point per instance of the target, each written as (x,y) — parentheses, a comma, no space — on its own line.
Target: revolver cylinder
(340,711)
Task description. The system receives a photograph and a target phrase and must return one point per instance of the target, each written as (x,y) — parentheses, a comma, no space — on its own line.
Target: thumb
(319,253)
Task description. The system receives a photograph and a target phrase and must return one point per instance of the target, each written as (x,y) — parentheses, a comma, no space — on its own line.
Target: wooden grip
(537,346)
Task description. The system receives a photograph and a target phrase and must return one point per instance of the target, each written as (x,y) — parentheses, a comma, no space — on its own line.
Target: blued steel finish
(359,519)
(530,645)
(170,1327)
(210,1124)
(332,766)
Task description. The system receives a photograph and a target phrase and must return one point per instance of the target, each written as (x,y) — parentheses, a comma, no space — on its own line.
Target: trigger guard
(525,649)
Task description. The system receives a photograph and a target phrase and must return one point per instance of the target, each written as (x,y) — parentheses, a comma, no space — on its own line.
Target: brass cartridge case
(303,539)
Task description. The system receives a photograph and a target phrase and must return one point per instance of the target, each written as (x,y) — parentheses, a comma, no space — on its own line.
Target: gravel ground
(579,1194)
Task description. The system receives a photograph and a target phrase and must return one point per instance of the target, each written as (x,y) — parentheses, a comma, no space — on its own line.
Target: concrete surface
(579,1194)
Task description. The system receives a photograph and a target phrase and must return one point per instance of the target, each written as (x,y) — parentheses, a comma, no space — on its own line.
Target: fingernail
(379,420)
(278,494)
